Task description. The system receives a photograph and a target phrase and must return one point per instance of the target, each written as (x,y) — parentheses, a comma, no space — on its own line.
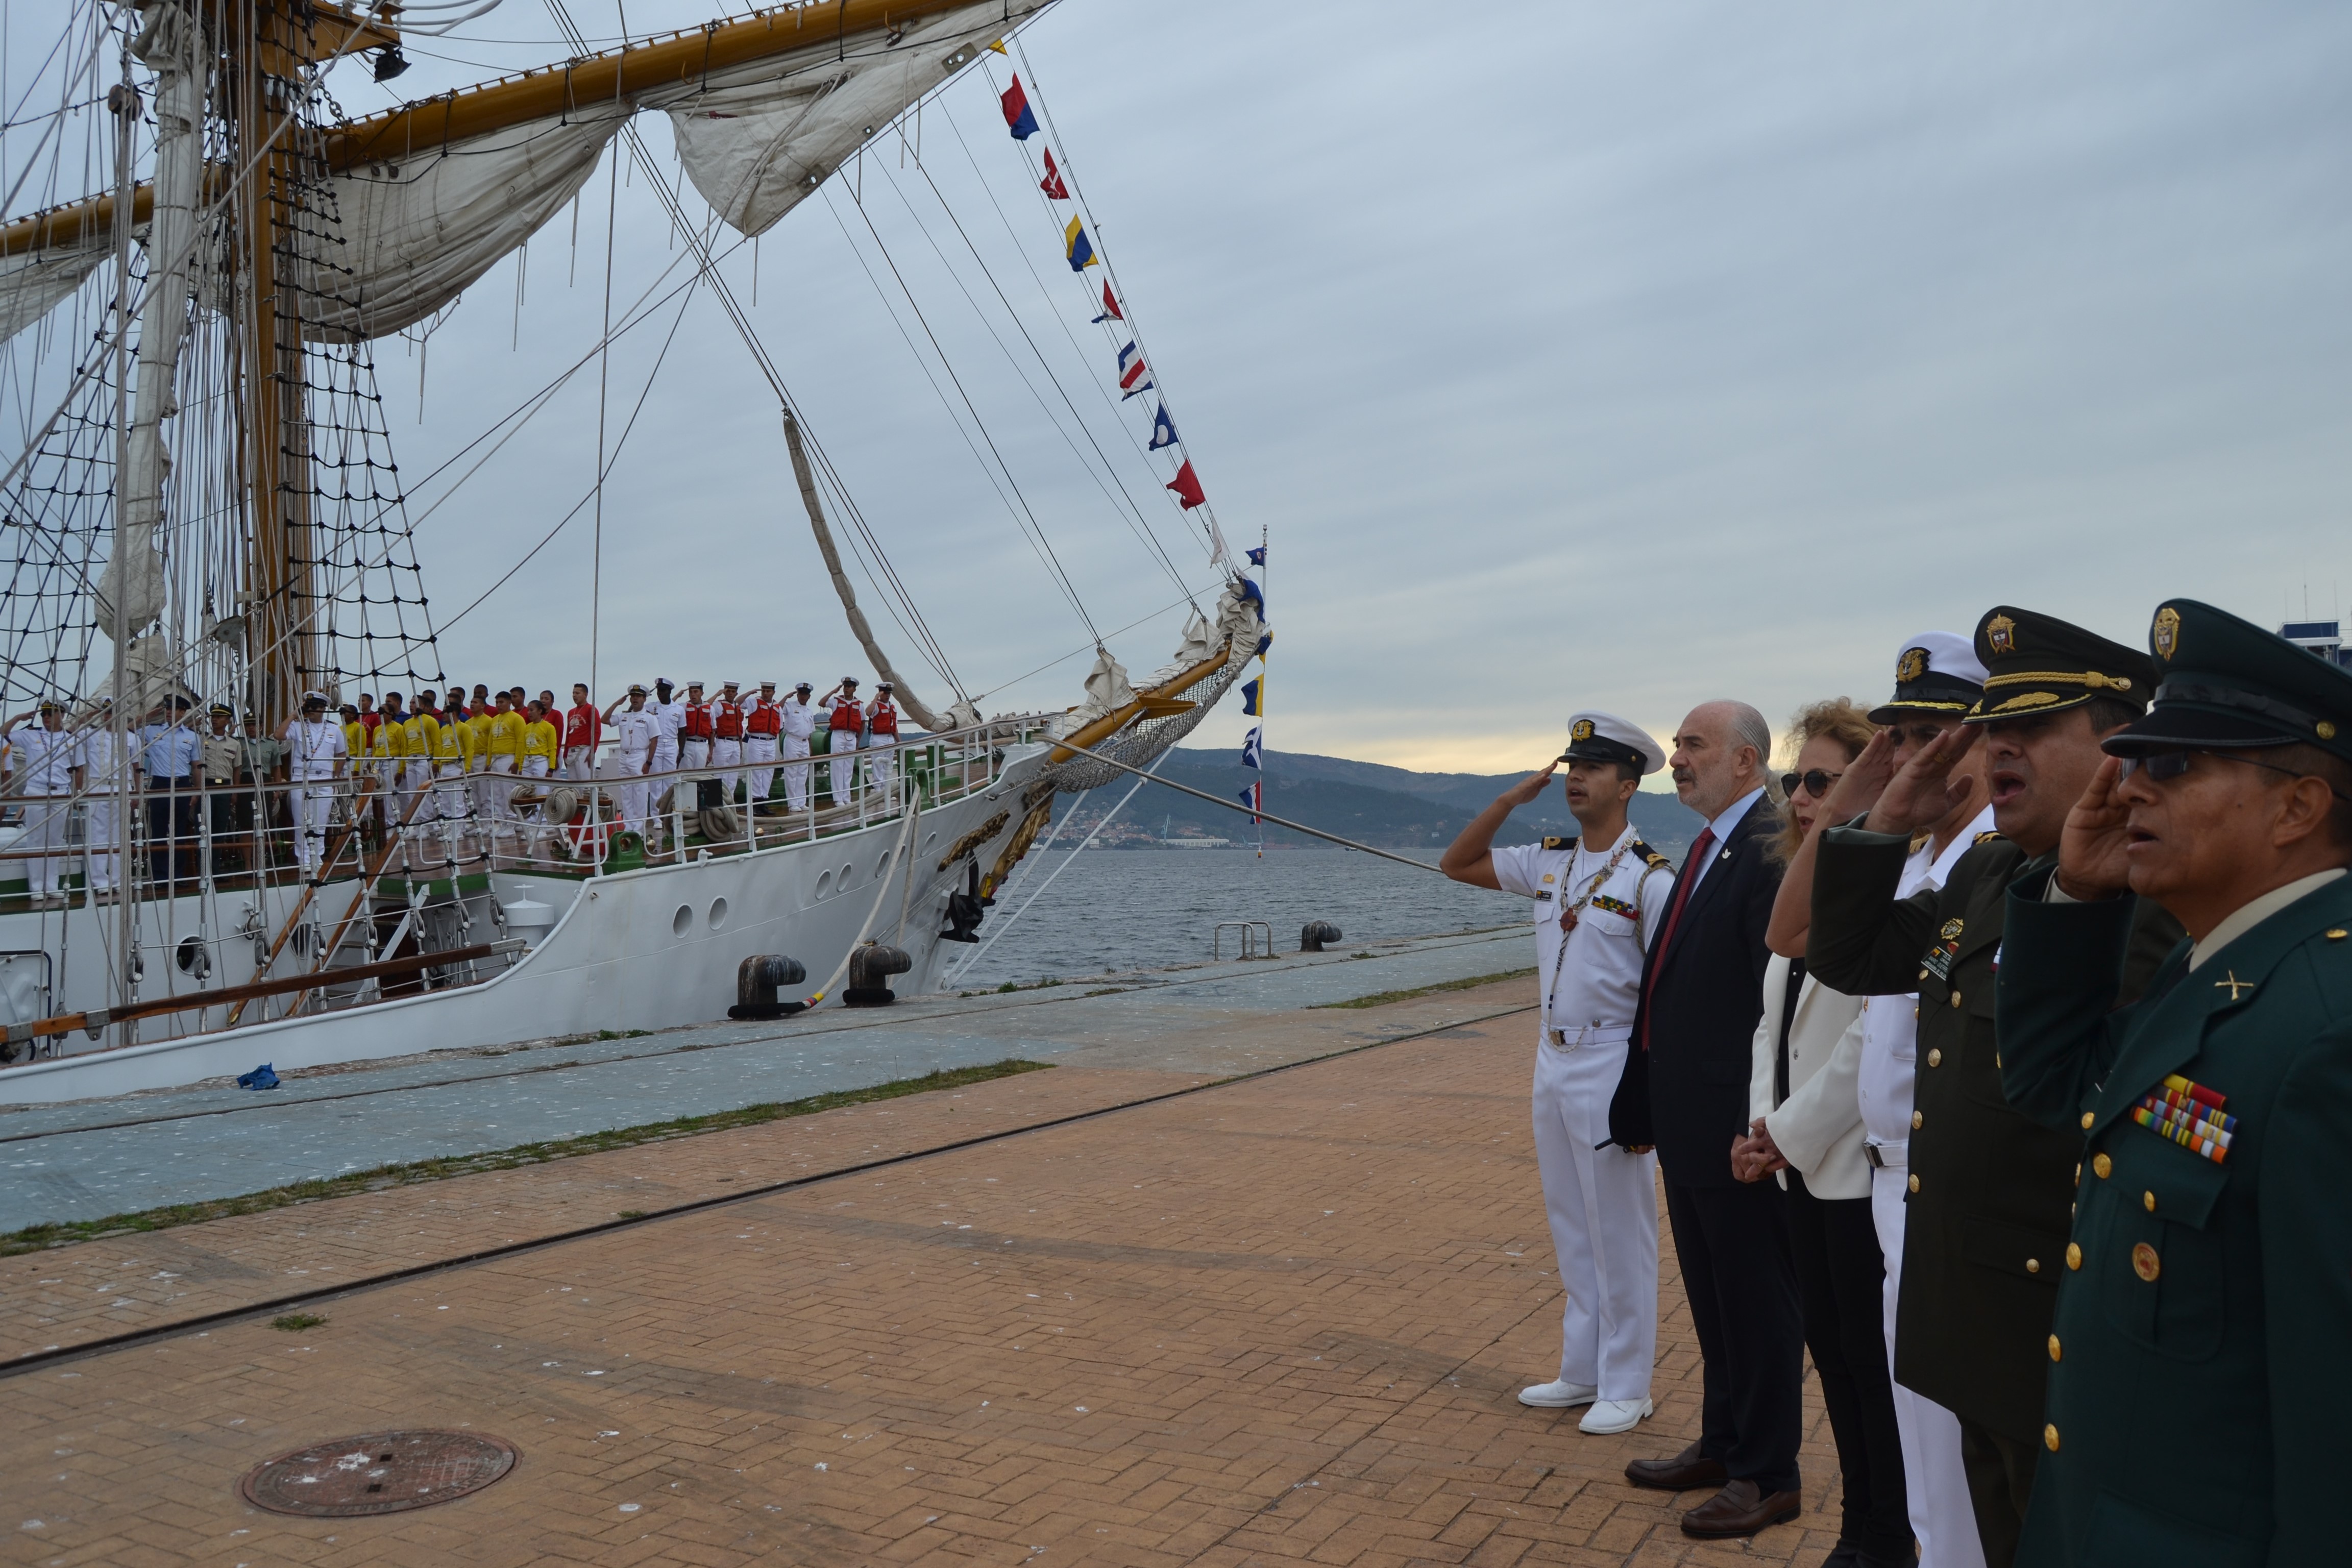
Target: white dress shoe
(1615,1416)
(1558,1395)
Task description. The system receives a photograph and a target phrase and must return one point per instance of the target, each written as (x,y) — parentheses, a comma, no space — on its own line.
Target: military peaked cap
(2229,684)
(2039,664)
(1597,737)
(1938,674)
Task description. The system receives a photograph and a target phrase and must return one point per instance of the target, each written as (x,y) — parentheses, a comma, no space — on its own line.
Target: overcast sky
(1570,355)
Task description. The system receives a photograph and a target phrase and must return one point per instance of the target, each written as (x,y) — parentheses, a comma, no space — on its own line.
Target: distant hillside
(1393,809)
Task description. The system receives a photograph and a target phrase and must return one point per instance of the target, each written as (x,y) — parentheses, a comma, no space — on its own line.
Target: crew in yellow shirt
(424,727)
(501,753)
(541,743)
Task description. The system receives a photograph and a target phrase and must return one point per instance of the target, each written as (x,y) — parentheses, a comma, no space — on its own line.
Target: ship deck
(1245,1277)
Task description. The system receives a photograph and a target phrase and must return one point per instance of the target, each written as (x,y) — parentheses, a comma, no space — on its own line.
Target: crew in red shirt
(762,723)
(583,732)
(726,735)
(882,724)
(696,732)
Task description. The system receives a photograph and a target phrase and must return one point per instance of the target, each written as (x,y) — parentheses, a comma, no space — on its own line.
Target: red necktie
(1692,862)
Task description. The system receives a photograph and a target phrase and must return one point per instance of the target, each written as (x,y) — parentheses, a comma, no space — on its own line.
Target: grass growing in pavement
(295,1322)
(33,1239)
(1381,998)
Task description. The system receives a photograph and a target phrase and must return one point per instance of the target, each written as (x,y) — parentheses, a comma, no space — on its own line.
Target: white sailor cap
(636,690)
(767,686)
(694,685)
(1597,737)
(884,686)
(663,680)
(803,686)
(1936,674)
(730,685)
(318,697)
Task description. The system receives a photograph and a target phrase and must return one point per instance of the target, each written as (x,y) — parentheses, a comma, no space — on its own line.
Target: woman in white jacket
(1807,1135)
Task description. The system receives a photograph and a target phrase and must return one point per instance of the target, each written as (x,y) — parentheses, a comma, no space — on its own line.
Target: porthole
(717,916)
(848,875)
(825,884)
(683,922)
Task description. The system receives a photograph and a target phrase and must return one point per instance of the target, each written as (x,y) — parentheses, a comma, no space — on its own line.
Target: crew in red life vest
(696,732)
(726,735)
(882,720)
(584,731)
(843,730)
(762,725)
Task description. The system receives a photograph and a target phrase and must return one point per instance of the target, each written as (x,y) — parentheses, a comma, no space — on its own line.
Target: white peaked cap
(1598,737)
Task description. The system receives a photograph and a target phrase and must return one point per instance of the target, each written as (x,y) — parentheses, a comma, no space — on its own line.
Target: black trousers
(171,826)
(1841,1277)
(1732,1242)
(2000,1481)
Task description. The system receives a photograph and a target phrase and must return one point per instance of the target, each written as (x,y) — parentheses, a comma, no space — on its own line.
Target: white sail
(35,282)
(759,138)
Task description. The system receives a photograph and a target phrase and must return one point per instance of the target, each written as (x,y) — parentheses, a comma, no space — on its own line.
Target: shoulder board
(1987,837)
(1559,844)
(1649,855)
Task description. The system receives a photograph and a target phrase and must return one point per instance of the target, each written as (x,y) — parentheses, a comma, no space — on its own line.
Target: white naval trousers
(796,774)
(45,816)
(881,764)
(845,764)
(1602,1205)
(105,852)
(313,803)
(727,753)
(694,754)
(1935,1485)
(760,755)
(634,795)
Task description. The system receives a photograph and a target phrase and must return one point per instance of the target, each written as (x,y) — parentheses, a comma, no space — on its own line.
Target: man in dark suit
(1684,1091)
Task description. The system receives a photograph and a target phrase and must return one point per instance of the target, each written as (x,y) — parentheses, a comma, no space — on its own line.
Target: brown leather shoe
(1686,1471)
(1741,1507)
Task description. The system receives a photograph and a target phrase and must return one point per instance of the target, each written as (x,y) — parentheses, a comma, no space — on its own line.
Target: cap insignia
(1911,666)
(2000,634)
(1580,731)
(2165,635)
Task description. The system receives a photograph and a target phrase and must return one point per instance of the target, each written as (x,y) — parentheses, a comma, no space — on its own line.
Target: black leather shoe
(1686,1471)
(1741,1507)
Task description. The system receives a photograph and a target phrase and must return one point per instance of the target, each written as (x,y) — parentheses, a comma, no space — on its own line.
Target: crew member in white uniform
(636,731)
(845,727)
(800,724)
(763,721)
(1938,679)
(1599,901)
(882,730)
(45,769)
(101,842)
(315,750)
(669,718)
(727,736)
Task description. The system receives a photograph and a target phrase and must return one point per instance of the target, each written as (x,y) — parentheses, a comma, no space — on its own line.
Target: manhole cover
(378,1472)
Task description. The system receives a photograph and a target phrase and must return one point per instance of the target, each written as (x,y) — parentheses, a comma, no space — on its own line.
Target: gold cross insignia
(2233,985)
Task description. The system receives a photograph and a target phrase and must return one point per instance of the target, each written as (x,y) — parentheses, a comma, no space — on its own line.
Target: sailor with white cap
(669,715)
(800,724)
(882,732)
(1599,901)
(636,731)
(45,766)
(315,751)
(844,728)
(726,735)
(763,721)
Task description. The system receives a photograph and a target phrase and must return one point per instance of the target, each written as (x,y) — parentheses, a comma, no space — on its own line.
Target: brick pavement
(1274,1322)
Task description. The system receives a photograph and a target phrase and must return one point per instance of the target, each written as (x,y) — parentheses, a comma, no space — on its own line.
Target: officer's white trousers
(760,755)
(1603,1208)
(313,803)
(727,752)
(634,796)
(881,766)
(45,816)
(1935,1485)
(796,774)
(845,764)
(105,852)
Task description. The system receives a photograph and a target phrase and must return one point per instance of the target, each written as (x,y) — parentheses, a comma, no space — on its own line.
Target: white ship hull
(646,949)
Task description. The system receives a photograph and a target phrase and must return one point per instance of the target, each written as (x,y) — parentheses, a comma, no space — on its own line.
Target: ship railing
(396,835)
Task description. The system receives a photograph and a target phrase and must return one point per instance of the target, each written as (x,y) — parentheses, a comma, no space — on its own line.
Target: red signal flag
(1052,183)
(1187,486)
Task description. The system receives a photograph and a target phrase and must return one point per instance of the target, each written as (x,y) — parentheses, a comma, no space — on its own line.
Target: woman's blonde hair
(1838,719)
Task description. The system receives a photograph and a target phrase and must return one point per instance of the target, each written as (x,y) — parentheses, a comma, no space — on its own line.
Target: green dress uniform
(1989,1187)
(2199,1374)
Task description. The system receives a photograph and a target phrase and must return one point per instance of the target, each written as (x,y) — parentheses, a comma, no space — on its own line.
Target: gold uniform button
(2050,1438)
(1913,1183)
(1956,998)
(2088,1117)
(2074,1255)
(2033,1265)
(1923,975)
(1936,1057)
(1915,1119)
(2053,1347)
(2338,933)
(2102,1165)
(2078,1172)
(2145,1261)
(2147,1201)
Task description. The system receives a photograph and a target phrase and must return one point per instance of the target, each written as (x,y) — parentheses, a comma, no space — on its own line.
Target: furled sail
(35,282)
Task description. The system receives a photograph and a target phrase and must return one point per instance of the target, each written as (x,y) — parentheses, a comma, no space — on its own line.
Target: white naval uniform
(1600,1200)
(669,718)
(636,735)
(312,753)
(100,842)
(800,724)
(843,747)
(1936,1486)
(43,762)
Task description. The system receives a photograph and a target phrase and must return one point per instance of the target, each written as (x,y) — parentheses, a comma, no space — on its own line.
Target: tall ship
(204,512)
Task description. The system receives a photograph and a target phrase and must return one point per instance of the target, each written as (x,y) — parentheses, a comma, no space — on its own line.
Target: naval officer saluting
(1598,899)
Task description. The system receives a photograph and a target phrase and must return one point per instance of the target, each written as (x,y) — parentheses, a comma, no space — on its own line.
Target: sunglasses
(1816,783)
(2162,767)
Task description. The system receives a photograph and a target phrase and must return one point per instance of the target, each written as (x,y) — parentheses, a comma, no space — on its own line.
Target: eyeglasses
(1816,782)
(2162,767)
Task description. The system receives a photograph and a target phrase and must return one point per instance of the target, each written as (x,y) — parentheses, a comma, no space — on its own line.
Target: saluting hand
(1529,787)
(2093,861)
(1923,791)
(1864,781)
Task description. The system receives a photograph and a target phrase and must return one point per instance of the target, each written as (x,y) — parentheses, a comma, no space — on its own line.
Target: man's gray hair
(1749,728)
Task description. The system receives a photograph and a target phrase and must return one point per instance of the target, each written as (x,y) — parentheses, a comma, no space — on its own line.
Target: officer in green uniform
(1986,1219)
(2200,1375)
